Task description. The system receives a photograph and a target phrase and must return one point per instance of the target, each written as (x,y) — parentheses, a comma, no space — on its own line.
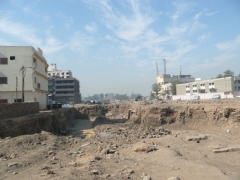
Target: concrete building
(54,72)
(227,84)
(17,62)
(165,82)
(62,86)
(167,78)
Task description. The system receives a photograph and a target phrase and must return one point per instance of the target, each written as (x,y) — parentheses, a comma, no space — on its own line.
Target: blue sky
(112,46)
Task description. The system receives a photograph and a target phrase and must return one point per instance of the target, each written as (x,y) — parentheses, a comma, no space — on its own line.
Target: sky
(112,46)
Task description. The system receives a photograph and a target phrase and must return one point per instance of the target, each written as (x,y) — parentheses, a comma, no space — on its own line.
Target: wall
(203,96)
(18,109)
(56,121)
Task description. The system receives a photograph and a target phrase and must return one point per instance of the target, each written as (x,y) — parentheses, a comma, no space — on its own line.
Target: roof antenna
(164,62)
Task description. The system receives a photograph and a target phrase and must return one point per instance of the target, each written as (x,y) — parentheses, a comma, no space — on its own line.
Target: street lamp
(24,70)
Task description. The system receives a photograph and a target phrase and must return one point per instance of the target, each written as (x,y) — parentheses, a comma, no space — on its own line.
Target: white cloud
(204,36)
(181,9)
(69,22)
(197,16)
(19,30)
(52,45)
(128,26)
(91,27)
(80,41)
(229,45)
(211,13)
(196,26)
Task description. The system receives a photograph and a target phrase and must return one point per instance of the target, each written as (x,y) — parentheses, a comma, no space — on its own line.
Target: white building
(34,66)
(54,72)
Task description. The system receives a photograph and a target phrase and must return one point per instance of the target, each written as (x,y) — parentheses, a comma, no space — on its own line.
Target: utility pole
(24,69)
(16,87)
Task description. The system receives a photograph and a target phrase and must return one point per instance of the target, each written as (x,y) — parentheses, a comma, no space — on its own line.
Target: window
(3,60)
(38,85)
(3,80)
(12,57)
(35,80)
(34,62)
(45,69)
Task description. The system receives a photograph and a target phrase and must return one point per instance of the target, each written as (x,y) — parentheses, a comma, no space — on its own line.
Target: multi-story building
(54,72)
(62,86)
(165,82)
(226,84)
(167,78)
(18,63)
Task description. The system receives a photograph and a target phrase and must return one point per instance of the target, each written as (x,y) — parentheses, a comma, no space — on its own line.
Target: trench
(144,114)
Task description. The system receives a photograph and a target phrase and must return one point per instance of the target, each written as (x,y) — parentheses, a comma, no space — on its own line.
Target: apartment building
(18,63)
(54,72)
(227,84)
(62,86)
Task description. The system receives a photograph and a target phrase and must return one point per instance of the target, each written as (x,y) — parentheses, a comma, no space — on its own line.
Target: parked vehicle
(196,98)
(216,96)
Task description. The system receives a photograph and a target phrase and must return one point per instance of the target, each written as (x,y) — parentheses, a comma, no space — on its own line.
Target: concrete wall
(203,96)
(18,109)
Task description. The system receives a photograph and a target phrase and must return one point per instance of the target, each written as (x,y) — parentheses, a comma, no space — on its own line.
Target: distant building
(227,84)
(54,72)
(62,86)
(165,82)
(12,59)
(167,78)
(109,97)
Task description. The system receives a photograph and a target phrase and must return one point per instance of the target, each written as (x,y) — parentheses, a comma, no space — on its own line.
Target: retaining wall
(18,109)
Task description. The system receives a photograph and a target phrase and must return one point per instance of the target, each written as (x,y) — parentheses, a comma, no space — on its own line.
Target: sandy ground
(120,151)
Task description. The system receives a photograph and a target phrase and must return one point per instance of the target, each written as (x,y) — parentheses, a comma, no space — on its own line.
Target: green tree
(155,88)
(138,98)
(219,76)
(121,97)
(101,96)
(201,90)
(174,87)
(213,90)
(228,73)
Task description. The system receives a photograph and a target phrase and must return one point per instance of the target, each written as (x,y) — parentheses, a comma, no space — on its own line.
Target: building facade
(167,78)
(18,63)
(165,82)
(227,84)
(54,72)
(62,86)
